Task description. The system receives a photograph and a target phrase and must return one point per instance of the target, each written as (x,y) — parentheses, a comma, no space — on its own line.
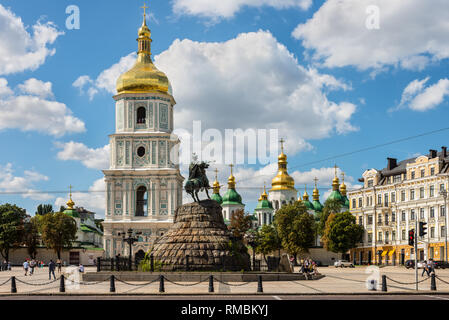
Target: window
(379,199)
(412,175)
(393,217)
(403,216)
(379,236)
(141,115)
(361,220)
(432,171)
(421,192)
(393,236)
(432,191)
(397,178)
(386,219)
(421,213)
(387,236)
(141,151)
(370,220)
(412,194)
(379,218)
(423,173)
(432,232)
(443,231)
(353,203)
(370,237)
(432,212)
(370,183)
(442,186)
(403,234)
(412,214)
(141,201)
(367,201)
(403,195)
(393,197)
(386,199)
(360,202)
(442,211)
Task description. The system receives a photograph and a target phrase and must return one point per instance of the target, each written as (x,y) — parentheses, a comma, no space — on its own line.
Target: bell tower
(143,182)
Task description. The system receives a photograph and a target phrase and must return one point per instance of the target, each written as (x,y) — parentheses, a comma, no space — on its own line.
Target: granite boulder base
(200,235)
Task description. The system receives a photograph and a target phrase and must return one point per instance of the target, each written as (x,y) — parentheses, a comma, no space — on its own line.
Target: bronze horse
(197,180)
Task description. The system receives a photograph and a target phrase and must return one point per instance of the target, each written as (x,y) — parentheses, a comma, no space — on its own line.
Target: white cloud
(36,113)
(418,97)
(107,79)
(92,158)
(4,89)
(227,9)
(37,88)
(93,200)
(24,185)
(411,34)
(20,50)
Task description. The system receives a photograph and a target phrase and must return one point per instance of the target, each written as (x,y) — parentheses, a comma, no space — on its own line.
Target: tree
(267,240)
(62,209)
(44,209)
(58,231)
(330,206)
(31,235)
(11,228)
(240,223)
(341,232)
(296,228)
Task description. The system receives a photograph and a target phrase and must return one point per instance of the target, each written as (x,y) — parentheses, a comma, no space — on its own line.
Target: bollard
(433,285)
(187,263)
(211,283)
(13,285)
(161,284)
(259,284)
(151,262)
(112,284)
(112,264)
(384,283)
(98,264)
(62,284)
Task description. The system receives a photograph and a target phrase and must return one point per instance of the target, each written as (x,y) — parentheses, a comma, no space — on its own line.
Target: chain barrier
(185,285)
(9,279)
(441,279)
(36,284)
(408,283)
(354,280)
(87,283)
(137,285)
(233,285)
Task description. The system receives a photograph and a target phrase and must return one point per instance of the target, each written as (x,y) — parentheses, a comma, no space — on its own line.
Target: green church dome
(217,197)
(232,197)
(317,206)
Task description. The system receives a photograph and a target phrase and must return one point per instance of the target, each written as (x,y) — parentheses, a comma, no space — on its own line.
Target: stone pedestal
(200,240)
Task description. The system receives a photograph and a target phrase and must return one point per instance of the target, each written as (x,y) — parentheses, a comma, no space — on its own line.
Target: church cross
(70,188)
(144,8)
(316,180)
(282,144)
(231,165)
(216,173)
(335,167)
(343,176)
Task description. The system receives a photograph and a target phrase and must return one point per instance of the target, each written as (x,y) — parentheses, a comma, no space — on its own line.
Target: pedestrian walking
(59,263)
(431,266)
(32,266)
(9,266)
(425,269)
(51,269)
(81,268)
(26,265)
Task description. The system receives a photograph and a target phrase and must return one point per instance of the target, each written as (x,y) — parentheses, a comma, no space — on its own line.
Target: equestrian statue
(197,179)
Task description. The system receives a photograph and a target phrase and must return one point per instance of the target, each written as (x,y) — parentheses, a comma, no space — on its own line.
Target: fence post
(152,262)
(211,283)
(161,283)
(98,264)
(384,283)
(112,264)
(62,284)
(13,285)
(433,285)
(187,262)
(117,264)
(259,284)
(112,284)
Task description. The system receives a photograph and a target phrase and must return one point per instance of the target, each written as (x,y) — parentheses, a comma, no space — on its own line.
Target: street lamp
(129,240)
(443,193)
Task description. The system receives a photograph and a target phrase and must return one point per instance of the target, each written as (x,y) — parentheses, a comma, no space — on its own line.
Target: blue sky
(324,79)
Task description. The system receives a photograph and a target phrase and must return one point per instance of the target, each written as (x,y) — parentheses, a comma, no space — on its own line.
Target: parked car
(441,264)
(411,264)
(343,263)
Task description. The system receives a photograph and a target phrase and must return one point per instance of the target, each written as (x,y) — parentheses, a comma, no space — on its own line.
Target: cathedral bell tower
(143,182)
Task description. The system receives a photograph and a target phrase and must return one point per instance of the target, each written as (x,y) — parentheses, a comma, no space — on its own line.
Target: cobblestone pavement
(337,281)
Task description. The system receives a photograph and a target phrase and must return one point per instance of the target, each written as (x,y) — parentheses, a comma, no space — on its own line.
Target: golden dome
(231,179)
(282,180)
(143,76)
(343,186)
(305,196)
(264,195)
(316,193)
(70,203)
(216,185)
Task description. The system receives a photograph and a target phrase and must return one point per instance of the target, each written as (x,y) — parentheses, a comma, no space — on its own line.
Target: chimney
(432,153)
(392,163)
(444,151)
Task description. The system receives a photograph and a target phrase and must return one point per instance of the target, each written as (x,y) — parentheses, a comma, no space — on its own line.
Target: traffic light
(411,237)
(422,229)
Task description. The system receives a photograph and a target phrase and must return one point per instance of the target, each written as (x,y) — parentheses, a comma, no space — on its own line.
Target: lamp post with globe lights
(444,193)
(130,240)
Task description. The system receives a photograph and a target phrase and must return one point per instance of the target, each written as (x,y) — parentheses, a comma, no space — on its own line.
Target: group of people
(307,266)
(30,264)
(428,267)
(5,266)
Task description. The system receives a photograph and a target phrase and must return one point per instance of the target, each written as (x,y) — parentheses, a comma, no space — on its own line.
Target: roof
(232,197)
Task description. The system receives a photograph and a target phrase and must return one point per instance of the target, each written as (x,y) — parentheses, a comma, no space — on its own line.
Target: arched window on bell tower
(141,115)
(141,201)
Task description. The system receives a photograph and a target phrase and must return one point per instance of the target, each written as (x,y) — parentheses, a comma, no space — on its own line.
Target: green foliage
(342,233)
(99,224)
(267,240)
(58,231)
(330,206)
(295,227)
(240,223)
(145,263)
(31,236)
(11,228)
(43,209)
